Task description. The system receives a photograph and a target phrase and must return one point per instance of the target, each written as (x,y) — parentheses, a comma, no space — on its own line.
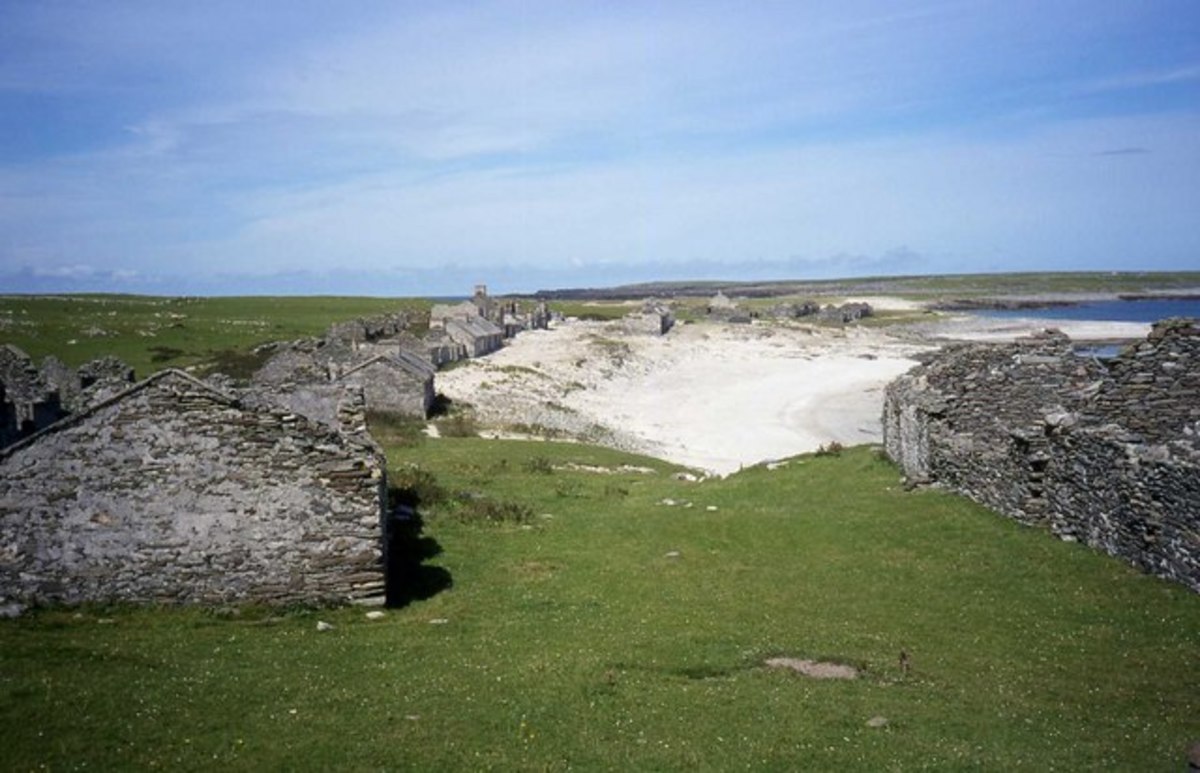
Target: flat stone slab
(814,669)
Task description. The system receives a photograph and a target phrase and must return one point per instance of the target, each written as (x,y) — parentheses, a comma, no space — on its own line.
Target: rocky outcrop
(1104,453)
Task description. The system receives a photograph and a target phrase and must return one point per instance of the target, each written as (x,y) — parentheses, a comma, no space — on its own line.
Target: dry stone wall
(1108,454)
(175,492)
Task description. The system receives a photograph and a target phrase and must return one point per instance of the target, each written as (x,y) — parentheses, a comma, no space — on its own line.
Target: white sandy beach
(710,396)
(715,396)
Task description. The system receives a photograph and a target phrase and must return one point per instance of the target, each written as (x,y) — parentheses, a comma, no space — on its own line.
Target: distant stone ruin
(721,308)
(32,398)
(654,318)
(1107,453)
(481,324)
(173,491)
(843,314)
(308,376)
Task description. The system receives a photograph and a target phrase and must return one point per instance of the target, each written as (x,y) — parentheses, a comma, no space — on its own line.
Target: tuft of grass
(539,464)
(485,510)
(459,424)
(832,448)
(394,429)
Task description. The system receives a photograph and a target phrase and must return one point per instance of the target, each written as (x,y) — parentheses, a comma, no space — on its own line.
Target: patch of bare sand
(972,328)
(713,397)
(814,669)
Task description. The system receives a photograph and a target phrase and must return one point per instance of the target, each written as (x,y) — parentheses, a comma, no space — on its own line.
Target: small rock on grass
(877,722)
(376,615)
(12,610)
(324,626)
(672,554)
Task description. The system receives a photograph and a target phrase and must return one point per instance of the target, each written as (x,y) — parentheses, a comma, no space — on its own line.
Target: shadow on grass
(409,578)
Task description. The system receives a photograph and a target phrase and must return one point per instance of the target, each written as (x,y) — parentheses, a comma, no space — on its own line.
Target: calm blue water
(1109,311)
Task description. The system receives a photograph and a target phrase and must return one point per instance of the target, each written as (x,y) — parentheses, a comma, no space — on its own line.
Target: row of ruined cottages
(179,489)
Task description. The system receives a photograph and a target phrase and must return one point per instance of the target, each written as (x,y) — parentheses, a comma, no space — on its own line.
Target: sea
(1107,311)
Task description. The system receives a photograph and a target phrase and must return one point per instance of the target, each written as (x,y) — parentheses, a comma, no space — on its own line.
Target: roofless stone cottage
(175,491)
(1104,453)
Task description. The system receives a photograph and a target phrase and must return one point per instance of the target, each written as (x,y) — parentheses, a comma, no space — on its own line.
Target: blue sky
(399,148)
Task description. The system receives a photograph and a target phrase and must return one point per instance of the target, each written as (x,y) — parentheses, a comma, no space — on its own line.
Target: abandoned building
(721,308)
(441,349)
(30,403)
(465,324)
(508,315)
(307,376)
(797,310)
(399,384)
(1106,453)
(367,329)
(173,491)
(846,313)
(654,318)
(478,335)
(93,381)
(440,312)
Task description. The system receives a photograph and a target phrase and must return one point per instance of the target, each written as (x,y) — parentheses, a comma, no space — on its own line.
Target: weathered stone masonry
(1108,454)
(174,491)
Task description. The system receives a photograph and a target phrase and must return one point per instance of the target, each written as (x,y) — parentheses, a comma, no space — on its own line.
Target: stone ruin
(1106,453)
(174,491)
(32,398)
(479,326)
(843,314)
(180,490)
(308,376)
(721,308)
(654,318)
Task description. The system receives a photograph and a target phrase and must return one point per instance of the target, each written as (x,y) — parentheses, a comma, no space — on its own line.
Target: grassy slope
(577,642)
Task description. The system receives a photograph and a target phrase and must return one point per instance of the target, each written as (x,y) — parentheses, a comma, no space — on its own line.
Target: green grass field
(565,618)
(575,638)
(155,333)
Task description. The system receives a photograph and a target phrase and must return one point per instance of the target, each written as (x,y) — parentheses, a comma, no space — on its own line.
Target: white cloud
(550,134)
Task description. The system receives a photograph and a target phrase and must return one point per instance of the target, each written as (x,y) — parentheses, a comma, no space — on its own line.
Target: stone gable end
(173,492)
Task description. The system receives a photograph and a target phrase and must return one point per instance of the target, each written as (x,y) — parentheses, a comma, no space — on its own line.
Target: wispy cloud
(1145,79)
(1124,152)
(523,133)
